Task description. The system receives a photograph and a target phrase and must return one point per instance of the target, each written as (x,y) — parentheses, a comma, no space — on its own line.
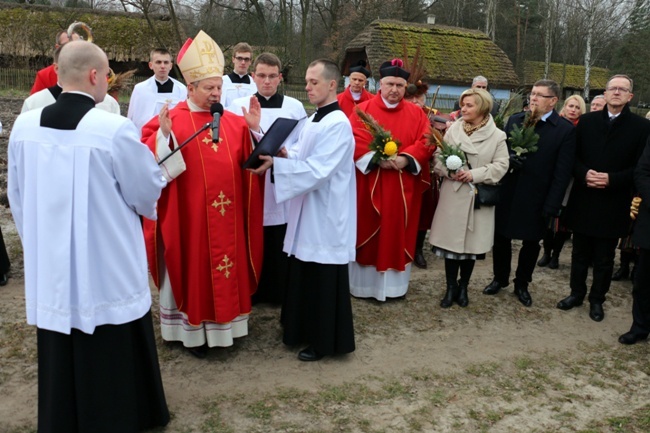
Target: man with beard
(532,191)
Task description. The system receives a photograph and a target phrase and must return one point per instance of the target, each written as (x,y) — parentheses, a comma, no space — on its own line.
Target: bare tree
(602,19)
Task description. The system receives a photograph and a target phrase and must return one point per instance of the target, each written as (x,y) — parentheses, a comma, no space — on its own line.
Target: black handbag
(485,195)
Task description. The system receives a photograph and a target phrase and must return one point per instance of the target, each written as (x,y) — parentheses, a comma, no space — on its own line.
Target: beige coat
(457,226)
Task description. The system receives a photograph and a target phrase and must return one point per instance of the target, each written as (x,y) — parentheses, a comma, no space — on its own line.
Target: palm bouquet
(451,156)
(523,139)
(383,144)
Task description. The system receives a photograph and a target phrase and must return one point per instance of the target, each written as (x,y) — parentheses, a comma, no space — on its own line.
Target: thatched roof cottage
(452,56)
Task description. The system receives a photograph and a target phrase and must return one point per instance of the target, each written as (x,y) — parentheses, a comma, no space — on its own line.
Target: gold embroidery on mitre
(202,59)
(223,203)
(225,268)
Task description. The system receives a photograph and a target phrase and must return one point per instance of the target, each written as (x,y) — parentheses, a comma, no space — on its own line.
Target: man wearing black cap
(389,192)
(356,92)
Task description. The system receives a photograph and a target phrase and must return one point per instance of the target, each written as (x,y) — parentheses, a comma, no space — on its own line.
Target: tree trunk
(491,18)
(177,30)
(590,32)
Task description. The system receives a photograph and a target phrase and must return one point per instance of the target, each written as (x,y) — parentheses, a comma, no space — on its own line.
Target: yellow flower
(390,148)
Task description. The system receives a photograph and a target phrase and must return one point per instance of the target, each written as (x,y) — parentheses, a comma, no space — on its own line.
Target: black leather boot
(622,273)
(450,295)
(462,298)
(419,260)
(545,260)
(555,261)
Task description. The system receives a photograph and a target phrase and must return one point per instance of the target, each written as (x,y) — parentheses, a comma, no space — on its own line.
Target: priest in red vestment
(205,250)
(356,92)
(47,77)
(389,193)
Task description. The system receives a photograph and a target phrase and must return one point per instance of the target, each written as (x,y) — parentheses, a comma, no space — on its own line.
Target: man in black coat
(641,237)
(532,192)
(608,145)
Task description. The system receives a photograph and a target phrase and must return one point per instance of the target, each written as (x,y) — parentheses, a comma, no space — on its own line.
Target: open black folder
(272,141)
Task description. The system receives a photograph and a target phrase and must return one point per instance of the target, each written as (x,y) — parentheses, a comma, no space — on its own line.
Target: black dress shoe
(569,302)
(554,263)
(309,354)
(631,338)
(544,261)
(199,351)
(523,296)
(419,261)
(493,288)
(4,278)
(596,312)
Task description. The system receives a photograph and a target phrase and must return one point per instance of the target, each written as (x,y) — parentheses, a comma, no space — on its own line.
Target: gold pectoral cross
(223,203)
(225,267)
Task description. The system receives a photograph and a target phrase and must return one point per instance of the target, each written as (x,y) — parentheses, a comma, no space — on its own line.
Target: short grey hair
(479,79)
(621,76)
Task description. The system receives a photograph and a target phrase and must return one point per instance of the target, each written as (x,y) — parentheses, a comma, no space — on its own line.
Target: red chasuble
(45,78)
(347,103)
(389,201)
(209,220)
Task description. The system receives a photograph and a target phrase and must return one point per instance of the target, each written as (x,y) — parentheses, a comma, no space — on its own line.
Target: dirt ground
(494,366)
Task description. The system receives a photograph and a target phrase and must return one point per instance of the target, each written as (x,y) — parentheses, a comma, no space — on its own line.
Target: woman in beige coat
(460,233)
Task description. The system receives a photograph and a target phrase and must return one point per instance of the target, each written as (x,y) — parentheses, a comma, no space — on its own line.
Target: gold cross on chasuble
(225,267)
(207,140)
(223,203)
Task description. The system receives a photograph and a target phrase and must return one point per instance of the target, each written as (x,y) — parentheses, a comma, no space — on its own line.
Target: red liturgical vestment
(209,220)
(347,102)
(389,201)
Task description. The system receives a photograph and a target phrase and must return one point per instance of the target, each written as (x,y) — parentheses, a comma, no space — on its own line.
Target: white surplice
(75,196)
(231,91)
(44,97)
(146,102)
(274,213)
(319,182)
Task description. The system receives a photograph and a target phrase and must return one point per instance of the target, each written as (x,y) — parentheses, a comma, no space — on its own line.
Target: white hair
(479,79)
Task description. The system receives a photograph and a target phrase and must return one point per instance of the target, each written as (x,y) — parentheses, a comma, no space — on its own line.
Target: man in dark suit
(532,191)
(641,237)
(608,145)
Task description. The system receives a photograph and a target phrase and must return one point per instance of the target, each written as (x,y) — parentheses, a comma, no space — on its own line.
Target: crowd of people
(340,208)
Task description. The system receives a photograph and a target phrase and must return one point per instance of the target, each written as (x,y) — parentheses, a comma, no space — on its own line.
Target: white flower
(453,163)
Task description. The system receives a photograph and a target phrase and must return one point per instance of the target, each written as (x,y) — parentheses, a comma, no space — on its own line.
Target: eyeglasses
(618,90)
(243,59)
(263,77)
(539,95)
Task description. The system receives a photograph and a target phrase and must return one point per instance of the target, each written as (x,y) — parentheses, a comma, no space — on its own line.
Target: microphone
(216,110)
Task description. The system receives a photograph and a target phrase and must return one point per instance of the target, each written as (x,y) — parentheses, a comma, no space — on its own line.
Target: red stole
(347,103)
(209,220)
(389,201)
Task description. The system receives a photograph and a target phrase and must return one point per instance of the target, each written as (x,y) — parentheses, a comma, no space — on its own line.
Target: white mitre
(200,58)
